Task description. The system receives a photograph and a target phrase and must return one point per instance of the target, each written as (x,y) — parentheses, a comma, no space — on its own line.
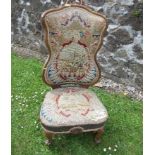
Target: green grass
(123,129)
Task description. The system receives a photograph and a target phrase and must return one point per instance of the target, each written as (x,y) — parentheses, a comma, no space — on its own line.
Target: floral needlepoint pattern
(74,36)
(72,105)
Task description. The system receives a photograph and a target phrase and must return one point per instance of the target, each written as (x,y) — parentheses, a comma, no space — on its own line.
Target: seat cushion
(73,106)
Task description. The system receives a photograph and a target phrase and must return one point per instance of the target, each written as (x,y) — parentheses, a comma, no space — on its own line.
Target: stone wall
(121,55)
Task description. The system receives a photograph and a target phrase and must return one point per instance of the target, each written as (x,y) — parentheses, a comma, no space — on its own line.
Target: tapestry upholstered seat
(73,34)
(65,108)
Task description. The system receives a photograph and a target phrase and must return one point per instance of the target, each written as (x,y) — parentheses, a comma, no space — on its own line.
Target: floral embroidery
(74,36)
(72,103)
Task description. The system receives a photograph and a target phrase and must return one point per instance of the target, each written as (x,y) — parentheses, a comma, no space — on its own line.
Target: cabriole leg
(98,135)
(49,137)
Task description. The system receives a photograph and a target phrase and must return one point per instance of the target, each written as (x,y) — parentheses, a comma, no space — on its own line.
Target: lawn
(123,130)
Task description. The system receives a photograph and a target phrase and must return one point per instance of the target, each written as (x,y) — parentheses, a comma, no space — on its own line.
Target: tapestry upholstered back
(73,35)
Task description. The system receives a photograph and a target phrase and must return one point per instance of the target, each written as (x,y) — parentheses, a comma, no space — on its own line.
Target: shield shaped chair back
(73,36)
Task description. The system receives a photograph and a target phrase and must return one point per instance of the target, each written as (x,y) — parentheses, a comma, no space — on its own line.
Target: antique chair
(73,34)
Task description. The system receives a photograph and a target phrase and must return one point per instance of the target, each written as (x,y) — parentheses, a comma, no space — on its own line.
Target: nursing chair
(73,34)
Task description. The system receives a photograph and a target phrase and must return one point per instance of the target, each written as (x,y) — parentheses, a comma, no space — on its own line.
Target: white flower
(109,148)
(104,149)
(116,146)
(115,150)
(125,93)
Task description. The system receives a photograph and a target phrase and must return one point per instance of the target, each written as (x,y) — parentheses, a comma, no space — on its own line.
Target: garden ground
(123,130)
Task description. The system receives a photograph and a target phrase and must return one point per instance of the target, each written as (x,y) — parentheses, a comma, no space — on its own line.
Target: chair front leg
(49,137)
(98,135)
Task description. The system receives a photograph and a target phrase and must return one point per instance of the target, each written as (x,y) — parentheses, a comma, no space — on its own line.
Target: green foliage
(136,13)
(123,130)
